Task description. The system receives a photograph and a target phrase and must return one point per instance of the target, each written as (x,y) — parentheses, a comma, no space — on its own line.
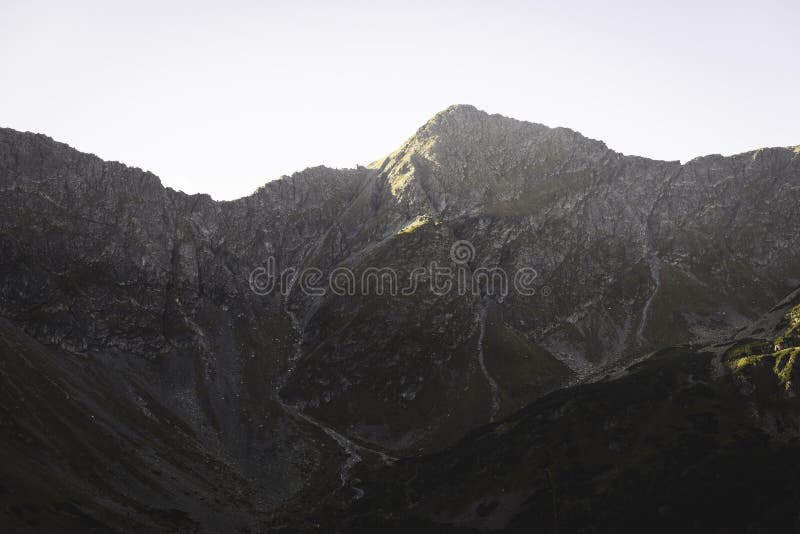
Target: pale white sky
(220,97)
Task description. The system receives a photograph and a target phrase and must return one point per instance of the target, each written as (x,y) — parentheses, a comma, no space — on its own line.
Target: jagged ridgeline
(147,385)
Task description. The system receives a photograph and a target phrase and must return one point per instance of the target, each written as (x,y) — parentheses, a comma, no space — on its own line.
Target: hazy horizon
(221,99)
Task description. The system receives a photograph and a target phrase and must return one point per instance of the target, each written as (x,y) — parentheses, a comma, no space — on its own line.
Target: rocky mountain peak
(464,123)
(453,118)
(464,158)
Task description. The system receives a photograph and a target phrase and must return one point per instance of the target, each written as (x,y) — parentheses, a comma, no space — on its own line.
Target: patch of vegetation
(783,349)
(420,220)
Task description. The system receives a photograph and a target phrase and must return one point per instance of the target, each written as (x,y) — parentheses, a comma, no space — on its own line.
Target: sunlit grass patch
(419,221)
(783,349)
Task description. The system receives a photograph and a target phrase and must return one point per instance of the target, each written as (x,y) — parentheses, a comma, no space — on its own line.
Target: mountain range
(645,378)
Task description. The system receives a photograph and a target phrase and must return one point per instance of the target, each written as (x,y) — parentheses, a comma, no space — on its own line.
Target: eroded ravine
(494,390)
(655,274)
(353,451)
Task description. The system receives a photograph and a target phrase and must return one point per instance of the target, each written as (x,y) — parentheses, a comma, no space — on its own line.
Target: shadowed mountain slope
(695,439)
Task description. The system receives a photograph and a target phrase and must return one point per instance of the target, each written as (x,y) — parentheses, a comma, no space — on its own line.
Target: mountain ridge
(111,279)
(430,128)
(507,177)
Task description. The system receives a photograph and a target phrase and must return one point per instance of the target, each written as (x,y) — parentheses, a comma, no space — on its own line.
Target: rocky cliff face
(128,307)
